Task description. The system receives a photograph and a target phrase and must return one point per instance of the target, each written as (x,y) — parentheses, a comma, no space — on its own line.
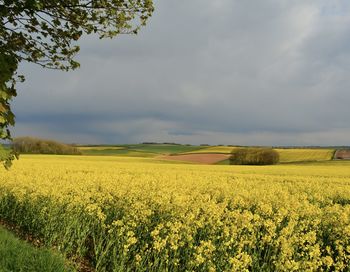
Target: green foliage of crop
(16,255)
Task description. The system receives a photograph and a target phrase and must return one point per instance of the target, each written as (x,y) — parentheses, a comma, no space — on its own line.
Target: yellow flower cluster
(286,154)
(128,214)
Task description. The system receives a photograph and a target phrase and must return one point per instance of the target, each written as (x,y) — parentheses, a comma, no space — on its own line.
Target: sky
(269,72)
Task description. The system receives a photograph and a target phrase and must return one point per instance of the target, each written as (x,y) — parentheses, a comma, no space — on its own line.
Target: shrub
(254,156)
(31,145)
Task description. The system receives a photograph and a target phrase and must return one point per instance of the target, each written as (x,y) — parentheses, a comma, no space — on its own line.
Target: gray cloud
(238,72)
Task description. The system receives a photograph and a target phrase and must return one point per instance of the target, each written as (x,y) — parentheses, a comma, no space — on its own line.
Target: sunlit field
(137,150)
(142,214)
(286,154)
(294,155)
(100,147)
(214,149)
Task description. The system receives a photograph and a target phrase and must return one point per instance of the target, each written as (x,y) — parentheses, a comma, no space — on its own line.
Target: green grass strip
(17,255)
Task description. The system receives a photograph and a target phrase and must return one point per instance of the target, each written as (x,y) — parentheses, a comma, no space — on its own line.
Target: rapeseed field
(286,154)
(294,155)
(138,214)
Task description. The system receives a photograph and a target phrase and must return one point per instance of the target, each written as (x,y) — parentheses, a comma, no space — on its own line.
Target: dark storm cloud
(241,72)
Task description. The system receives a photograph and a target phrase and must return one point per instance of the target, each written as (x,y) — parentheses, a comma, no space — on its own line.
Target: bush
(31,145)
(254,156)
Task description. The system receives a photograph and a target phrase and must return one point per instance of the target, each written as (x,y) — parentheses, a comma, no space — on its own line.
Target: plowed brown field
(342,154)
(198,158)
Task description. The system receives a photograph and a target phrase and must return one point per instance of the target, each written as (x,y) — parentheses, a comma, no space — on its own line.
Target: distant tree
(45,32)
(254,156)
(30,145)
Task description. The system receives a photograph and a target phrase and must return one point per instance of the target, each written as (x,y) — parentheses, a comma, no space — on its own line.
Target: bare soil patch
(198,158)
(343,154)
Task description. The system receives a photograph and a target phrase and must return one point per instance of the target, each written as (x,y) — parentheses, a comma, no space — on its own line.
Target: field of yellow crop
(137,214)
(286,155)
(213,149)
(294,155)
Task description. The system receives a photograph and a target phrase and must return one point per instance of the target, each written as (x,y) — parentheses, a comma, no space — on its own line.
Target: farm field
(199,158)
(287,155)
(192,153)
(143,214)
(294,155)
(213,149)
(342,154)
(137,150)
(100,147)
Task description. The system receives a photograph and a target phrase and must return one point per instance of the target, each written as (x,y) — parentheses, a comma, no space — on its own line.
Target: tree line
(31,145)
(254,156)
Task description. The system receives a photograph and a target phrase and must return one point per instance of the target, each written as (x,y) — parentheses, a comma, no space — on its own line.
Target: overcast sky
(269,72)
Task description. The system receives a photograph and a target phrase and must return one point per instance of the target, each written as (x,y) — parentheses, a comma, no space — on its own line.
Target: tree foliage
(30,145)
(46,32)
(254,156)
